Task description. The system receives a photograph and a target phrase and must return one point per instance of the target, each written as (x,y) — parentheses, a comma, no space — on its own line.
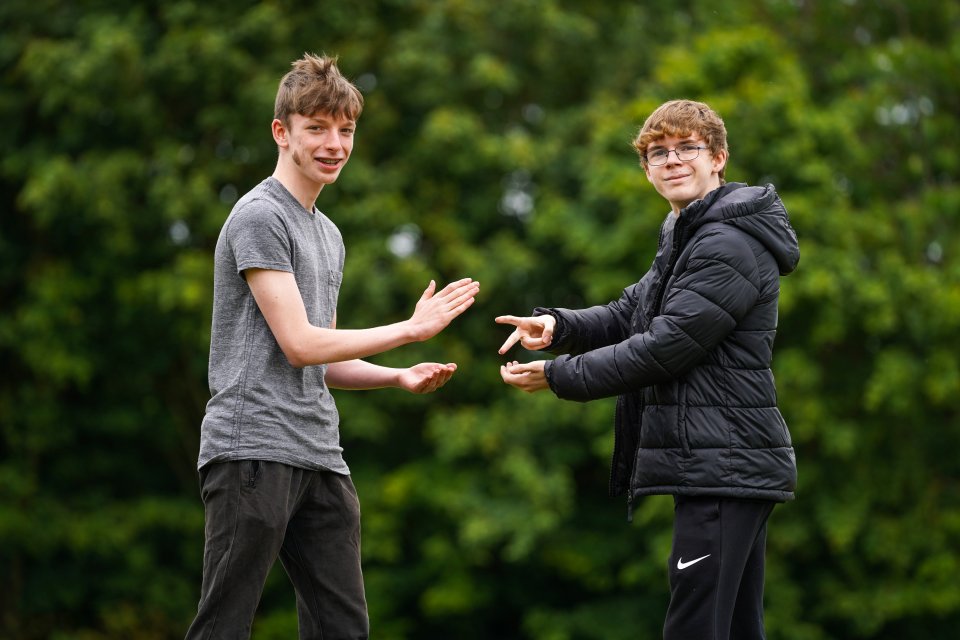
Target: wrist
(409,332)
(549,316)
(396,378)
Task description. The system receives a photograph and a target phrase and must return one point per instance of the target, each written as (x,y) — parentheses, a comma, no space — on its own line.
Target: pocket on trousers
(251,472)
(349,500)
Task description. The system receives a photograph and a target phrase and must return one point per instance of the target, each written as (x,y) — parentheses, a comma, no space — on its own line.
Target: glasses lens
(657,158)
(688,152)
(684,153)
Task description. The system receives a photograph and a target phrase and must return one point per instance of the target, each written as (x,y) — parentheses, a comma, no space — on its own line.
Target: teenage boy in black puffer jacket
(687,350)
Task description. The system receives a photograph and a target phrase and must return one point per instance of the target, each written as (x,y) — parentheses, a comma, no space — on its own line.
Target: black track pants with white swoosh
(716,569)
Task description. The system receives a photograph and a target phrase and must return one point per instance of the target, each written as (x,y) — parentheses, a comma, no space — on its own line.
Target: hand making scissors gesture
(533,333)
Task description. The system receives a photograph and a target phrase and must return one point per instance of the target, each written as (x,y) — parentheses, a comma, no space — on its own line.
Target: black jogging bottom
(716,569)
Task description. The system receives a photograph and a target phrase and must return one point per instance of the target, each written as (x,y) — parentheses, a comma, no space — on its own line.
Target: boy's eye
(688,148)
(659,153)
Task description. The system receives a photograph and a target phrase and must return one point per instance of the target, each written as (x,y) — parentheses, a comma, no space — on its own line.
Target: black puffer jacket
(688,351)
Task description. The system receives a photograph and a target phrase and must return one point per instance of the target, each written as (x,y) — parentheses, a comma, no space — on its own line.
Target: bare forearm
(279,300)
(358,374)
(316,345)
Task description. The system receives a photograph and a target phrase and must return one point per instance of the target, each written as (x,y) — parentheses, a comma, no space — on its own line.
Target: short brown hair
(315,85)
(682,118)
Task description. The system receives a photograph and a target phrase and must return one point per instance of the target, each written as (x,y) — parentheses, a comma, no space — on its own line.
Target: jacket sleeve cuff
(560,331)
(563,382)
(548,374)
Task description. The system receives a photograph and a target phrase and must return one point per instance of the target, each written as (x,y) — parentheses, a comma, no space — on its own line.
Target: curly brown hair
(682,118)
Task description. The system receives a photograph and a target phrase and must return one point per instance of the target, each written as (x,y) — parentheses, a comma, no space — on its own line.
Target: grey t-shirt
(262,407)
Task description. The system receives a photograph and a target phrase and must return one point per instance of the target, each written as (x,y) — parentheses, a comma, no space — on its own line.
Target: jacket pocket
(682,419)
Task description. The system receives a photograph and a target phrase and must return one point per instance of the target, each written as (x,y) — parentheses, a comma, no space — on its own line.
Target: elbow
(295,361)
(301,355)
(306,348)
(297,364)
(295,356)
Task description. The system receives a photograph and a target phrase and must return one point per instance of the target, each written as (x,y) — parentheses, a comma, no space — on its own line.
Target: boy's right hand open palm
(435,311)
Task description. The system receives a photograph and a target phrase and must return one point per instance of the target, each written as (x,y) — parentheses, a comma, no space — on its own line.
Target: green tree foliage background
(494,144)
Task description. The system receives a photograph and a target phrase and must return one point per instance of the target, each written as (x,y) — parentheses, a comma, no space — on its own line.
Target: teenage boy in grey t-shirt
(273,480)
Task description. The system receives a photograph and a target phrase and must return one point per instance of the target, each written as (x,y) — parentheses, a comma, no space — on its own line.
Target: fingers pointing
(511,340)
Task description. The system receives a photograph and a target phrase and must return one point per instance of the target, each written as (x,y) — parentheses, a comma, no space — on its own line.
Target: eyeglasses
(685,153)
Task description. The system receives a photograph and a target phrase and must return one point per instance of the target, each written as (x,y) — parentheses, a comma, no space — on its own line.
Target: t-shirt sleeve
(259,239)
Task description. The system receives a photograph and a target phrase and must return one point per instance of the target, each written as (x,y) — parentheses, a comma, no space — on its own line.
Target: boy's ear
(720,160)
(279,131)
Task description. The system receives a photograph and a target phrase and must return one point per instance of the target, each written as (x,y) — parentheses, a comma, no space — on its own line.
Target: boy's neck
(304,191)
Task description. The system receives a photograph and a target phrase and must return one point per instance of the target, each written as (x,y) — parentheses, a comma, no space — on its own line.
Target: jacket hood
(754,210)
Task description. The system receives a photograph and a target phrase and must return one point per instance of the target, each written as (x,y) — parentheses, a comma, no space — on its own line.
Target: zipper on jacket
(617,445)
(618,453)
(668,271)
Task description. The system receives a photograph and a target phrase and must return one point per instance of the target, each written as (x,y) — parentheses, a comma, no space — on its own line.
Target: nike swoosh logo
(681,565)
